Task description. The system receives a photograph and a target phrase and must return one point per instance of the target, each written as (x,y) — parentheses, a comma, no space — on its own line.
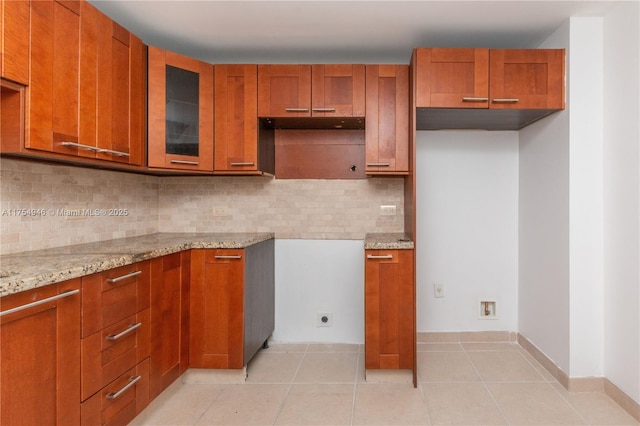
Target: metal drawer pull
(79,145)
(124,333)
(297,109)
(132,381)
(124,277)
(40,302)
(505,100)
(378,164)
(228,257)
(323,109)
(386,256)
(466,99)
(191,163)
(118,153)
(248,163)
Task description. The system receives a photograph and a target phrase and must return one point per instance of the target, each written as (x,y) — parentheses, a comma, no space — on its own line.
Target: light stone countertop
(393,241)
(33,269)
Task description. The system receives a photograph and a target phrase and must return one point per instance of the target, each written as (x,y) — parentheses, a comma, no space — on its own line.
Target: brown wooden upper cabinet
(324,90)
(180,111)
(387,119)
(236,124)
(14,40)
(85,98)
(490,78)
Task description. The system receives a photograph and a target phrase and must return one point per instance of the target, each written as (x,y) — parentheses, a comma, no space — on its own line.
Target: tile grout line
(355,386)
(586,422)
(484,384)
(293,378)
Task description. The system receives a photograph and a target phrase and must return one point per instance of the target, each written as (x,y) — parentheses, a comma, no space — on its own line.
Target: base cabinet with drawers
(40,356)
(115,345)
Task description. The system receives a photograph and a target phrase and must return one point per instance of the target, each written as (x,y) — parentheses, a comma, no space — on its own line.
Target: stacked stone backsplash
(48,205)
(45,205)
(291,208)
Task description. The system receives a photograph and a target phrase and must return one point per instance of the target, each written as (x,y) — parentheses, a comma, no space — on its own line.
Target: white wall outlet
(438,290)
(220,211)
(388,210)
(487,309)
(324,319)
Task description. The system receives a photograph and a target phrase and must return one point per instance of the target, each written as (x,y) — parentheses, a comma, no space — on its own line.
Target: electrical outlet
(438,290)
(324,319)
(388,210)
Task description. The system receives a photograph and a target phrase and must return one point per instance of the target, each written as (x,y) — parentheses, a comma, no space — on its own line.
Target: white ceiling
(306,31)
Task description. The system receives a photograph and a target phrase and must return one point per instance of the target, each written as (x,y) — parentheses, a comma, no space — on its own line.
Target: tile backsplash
(48,205)
(291,208)
(45,205)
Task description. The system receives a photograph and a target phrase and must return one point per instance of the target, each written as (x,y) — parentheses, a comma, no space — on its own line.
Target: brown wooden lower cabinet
(40,356)
(115,344)
(169,320)
(120,401)
(232,304)
(389,309)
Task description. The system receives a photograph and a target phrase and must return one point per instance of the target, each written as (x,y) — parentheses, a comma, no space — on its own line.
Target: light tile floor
(319,384)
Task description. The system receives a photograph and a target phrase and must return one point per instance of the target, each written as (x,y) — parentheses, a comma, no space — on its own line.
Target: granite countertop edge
(29,270)
(388,241)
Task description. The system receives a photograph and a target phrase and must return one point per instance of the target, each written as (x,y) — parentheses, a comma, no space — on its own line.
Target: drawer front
(111,296)
(117,348)
(120,401)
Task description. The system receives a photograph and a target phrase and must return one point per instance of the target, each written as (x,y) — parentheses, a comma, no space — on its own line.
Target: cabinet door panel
(180,99)
(40,357)
(168,318)
(389,318)
(54,83)
(14,43)
(338,90)
(387,123)
(89,24)
(284,91)
(452,78)
(236,125)
(527,78)
(217,296)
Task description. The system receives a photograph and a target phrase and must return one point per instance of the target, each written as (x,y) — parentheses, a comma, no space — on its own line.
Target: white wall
(585,91)
(319,276)
(467,228)
(622,198)
(543,247)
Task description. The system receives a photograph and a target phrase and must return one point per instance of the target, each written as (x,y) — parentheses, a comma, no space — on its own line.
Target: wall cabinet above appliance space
(331,95)
(493,89)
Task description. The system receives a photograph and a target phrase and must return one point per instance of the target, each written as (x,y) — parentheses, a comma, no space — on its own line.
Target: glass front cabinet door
(180,112)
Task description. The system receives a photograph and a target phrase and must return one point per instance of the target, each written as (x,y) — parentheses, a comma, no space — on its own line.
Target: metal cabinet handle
(79,145)
(248,163)
(132,381)
(40,302)
(124,333)
(323,109)
(505,100)
(118,153)
(378,164)
(124,277)
(228,257)
(191,163)
(470,99)
(386,256)
(296,109)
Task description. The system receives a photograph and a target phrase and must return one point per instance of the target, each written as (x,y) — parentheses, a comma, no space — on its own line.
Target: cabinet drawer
(110,352)
(111,296)
(120,401)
